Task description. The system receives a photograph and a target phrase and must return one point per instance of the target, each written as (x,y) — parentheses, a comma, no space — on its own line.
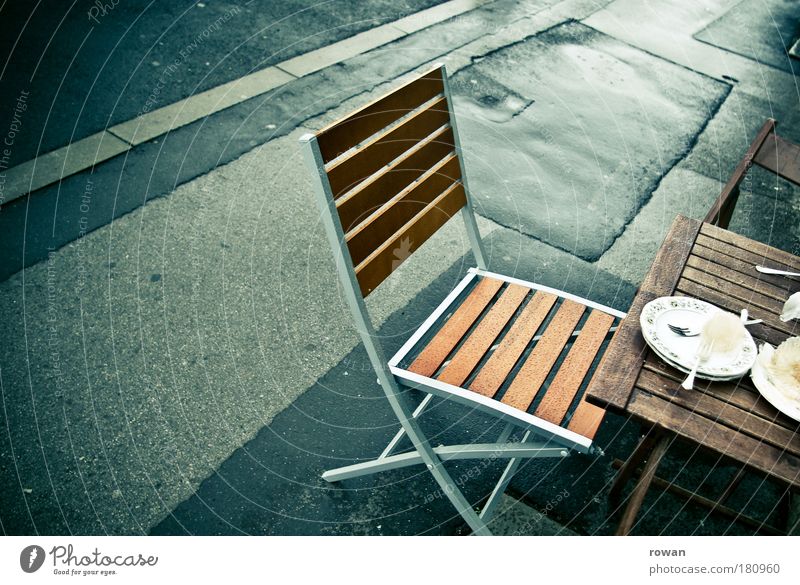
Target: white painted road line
(51,167)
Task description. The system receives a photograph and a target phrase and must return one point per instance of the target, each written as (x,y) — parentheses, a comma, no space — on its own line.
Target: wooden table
(730,418)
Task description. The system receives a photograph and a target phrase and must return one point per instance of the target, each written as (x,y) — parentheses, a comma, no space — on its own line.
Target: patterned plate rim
(647,319)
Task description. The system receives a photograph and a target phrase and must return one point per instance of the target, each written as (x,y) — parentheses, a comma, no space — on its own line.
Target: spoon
(765,270)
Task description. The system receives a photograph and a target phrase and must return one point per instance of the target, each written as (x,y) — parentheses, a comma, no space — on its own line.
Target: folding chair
(387,177)
(769,151)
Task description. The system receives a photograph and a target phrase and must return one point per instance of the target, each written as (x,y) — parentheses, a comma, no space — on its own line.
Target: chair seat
(518,344)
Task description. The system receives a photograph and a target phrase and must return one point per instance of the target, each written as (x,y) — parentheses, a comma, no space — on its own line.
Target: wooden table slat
(744,268)
(718,437)
(612,384)
(728,414)
(763,251)
(733,290)
(740,393)
(752,282)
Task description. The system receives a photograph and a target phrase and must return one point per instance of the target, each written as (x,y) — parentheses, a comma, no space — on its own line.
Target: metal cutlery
(703,353)
(765,270)
(695,331)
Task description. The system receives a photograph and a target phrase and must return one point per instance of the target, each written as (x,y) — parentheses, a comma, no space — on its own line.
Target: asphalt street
(89,65)
(177,356)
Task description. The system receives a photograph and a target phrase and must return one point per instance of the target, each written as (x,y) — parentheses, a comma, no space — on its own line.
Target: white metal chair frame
(551,439)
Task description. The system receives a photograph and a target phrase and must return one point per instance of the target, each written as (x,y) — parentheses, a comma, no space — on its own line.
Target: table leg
(642,450)
(640,490)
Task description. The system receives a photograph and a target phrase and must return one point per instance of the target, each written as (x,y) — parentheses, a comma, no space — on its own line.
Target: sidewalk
(189,367)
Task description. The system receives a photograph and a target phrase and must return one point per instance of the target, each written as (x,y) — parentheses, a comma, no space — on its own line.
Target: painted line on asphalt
(83,154)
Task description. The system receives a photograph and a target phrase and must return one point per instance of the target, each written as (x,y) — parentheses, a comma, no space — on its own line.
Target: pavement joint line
(75,157)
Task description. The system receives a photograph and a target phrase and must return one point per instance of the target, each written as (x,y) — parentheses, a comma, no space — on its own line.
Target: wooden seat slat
(573,370)
(495,371)
(484,335)
(454,329)
(540,361)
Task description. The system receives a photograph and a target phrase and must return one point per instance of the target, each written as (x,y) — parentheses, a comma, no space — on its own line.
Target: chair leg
(402,432)
(502,484)
(447,453)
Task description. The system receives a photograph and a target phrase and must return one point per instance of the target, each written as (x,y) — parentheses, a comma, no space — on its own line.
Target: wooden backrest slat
(375,154)
(366,121)
(397,212)
(394,251)
(394,174)
(355,205)
(780,156)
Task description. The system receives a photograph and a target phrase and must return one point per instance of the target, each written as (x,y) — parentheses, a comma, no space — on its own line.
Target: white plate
(686,370)
(788,405)
(658,314)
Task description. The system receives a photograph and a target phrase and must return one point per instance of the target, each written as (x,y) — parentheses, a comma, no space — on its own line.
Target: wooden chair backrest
(394,175)
(768,151)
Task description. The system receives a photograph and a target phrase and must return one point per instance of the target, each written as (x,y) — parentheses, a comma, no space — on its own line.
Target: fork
(693,332)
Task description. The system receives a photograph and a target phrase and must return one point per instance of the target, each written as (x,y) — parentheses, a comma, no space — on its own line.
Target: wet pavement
(178,358)
(606,123)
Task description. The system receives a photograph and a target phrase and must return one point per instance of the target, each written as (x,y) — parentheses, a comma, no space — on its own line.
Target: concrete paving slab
(52,167)
(763,32)
(681,191)
(596,125)
(198,106)
(666,29)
